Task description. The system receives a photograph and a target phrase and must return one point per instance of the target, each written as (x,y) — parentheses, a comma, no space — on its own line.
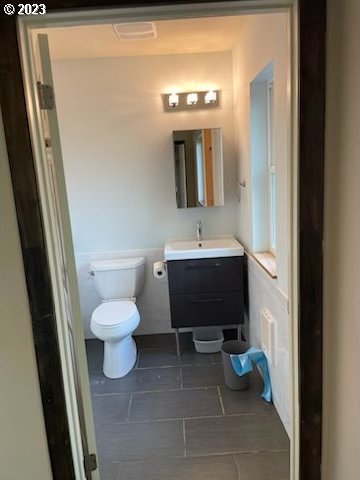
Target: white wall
(23,445)
(118,151)
(341,426)
(118,157)
(263,39)
(264,294)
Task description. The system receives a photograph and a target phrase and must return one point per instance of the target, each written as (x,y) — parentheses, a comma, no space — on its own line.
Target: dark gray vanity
(206,292)
(206,284)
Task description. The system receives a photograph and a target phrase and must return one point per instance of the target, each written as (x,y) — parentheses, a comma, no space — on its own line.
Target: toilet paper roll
(159,269)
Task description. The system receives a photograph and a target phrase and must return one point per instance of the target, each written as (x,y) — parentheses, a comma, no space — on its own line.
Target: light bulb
(173,100)
(192,98)
(210,96)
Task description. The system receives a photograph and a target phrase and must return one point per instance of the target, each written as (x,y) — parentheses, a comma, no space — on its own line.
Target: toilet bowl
(117,281)
(114,322)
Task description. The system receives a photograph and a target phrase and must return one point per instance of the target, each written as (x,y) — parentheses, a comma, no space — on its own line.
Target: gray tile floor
(173,418)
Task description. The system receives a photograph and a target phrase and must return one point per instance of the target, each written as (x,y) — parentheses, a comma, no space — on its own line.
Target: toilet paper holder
(159,269)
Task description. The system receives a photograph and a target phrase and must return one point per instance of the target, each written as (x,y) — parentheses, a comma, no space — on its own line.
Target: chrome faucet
(199,230)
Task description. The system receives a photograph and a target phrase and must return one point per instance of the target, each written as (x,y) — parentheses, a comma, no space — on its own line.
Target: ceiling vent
(135,31)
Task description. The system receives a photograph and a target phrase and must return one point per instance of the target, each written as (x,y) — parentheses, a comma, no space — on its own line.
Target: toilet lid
(113,313)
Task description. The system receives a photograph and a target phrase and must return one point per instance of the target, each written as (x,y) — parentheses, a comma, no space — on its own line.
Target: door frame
(309,24)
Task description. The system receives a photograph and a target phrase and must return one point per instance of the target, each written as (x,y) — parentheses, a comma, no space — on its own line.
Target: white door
(57,225)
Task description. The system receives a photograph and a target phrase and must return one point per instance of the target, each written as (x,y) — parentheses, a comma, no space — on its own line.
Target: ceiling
(173,37)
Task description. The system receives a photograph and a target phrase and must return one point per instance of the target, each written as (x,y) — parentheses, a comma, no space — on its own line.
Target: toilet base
(119,357)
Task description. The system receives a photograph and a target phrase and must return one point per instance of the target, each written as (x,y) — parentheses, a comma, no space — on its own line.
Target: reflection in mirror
(198,161)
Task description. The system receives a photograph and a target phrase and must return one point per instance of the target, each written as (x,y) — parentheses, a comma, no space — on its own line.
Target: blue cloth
(243,364)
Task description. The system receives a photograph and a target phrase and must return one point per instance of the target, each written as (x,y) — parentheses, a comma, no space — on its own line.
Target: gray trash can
(232,380)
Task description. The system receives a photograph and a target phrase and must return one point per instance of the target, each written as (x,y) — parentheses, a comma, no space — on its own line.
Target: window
(271,167)
(263,167)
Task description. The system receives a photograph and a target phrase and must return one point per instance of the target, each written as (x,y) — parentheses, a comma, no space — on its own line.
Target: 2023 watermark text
(25,9)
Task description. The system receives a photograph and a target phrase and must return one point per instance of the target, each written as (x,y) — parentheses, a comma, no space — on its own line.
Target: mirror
(198,160)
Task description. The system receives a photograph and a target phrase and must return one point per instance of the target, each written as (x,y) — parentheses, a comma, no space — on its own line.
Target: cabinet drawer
(205,275)
(218,308)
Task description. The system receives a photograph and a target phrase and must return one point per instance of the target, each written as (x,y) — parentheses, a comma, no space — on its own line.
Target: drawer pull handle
(208,300)
(194,266)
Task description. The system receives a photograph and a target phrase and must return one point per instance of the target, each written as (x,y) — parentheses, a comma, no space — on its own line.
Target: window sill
(268,262)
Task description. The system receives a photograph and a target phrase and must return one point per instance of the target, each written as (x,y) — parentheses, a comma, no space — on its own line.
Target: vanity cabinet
(205,292)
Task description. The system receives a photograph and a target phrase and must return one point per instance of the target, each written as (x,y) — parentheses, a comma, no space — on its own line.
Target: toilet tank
(118,278)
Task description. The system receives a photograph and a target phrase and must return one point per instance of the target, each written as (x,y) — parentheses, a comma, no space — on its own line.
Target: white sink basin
(219,247)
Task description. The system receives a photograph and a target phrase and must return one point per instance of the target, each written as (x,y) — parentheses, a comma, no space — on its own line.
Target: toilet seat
(113,320)
(111,314)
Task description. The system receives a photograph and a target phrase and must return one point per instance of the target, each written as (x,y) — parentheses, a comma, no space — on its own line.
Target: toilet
(118,282)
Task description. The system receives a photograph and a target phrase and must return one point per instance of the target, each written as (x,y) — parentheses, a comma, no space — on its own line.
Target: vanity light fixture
(186,101)
(173,100)
(210,97)
(192,98)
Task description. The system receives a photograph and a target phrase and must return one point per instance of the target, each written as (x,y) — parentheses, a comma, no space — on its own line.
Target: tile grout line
(236,467)
(173,419)
(167,366)
(129,408)
(184,436)
(210,454)
(191,389)
(233,452)
(236,452)
(221,400)
(169,348)
(118,474)
(137,360)
(181,379)
(214,362)
(203,455)
(185,365)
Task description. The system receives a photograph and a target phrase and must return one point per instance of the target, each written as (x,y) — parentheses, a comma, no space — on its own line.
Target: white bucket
(208,339)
